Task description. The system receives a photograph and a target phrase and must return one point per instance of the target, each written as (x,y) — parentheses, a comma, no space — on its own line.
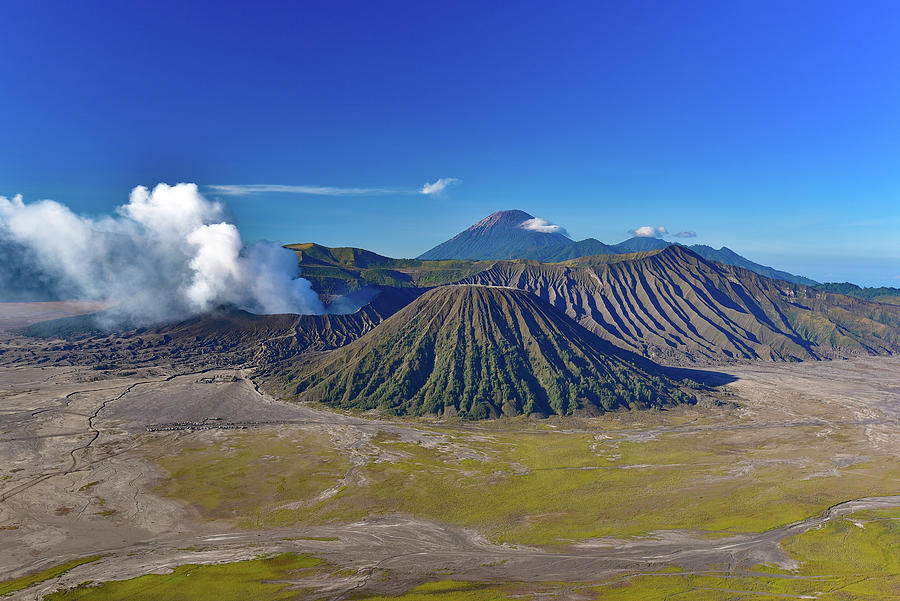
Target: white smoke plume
(166,254)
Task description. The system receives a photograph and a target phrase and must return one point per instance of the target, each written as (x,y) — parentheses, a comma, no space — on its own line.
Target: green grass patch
(11,586)
(542,487)
(256,579)
(854,558)
(556,488)
(454,590)
(251,473)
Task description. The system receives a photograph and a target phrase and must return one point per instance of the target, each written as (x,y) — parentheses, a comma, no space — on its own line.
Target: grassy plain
(259,579)
(537,486)
(856,557)
(11,586)
(569,492)
(455,590)
(852,558)
(251,473)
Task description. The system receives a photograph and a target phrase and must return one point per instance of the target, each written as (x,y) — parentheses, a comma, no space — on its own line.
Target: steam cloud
(166,254)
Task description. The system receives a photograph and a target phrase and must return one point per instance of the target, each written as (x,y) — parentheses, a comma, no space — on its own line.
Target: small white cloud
(686,234)
(648,231)
(538,224)
(438,186)
(433,188)
(246,189)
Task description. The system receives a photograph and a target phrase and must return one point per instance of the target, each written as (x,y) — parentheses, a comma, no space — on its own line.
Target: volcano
(500,235)
(481,352)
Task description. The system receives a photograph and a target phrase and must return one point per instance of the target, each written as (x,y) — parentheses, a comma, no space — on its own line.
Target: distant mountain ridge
(341,270)
(729,257)
(882,294)
(498,236)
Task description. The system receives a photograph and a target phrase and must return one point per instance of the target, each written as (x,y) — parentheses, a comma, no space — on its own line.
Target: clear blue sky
(769,127)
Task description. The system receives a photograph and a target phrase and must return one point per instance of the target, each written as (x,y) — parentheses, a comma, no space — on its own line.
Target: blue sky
(769,127)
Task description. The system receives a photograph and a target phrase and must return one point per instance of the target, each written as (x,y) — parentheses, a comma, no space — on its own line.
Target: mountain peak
(500,235)
(510,218)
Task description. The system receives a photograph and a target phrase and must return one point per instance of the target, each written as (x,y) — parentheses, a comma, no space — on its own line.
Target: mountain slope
(482,352)
(500,235)
(223,337)
(673,305)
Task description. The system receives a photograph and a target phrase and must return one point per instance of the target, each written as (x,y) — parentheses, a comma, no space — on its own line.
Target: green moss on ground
(452,590)
(256,579)
(558,488)
(852,558)
(17,584)
(252,473)
(544,487)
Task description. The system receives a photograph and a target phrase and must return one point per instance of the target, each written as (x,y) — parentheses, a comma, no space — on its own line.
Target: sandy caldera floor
(77,479)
